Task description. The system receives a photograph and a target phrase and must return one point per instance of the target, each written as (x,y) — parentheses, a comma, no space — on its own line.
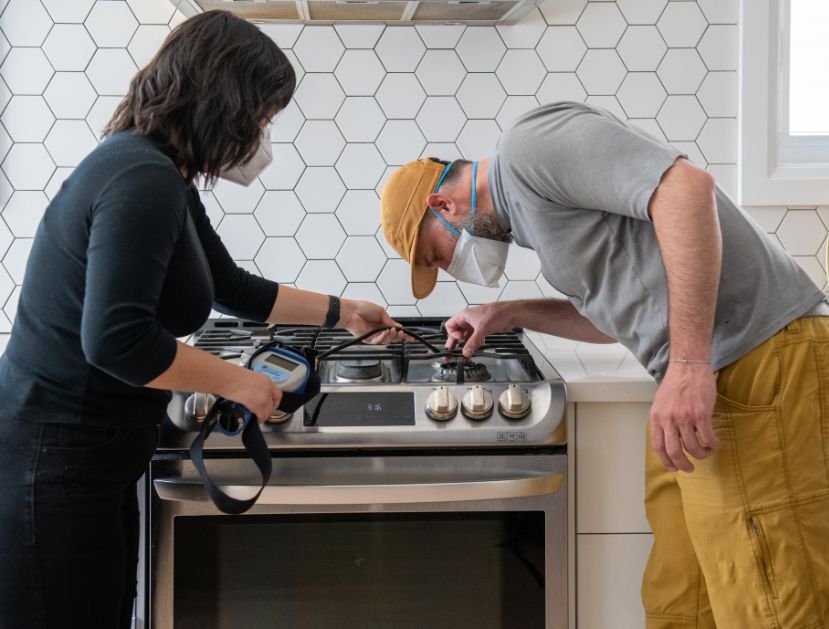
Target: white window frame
(774,168)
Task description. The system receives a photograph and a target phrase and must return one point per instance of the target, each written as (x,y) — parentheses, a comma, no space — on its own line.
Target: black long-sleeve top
(124,261)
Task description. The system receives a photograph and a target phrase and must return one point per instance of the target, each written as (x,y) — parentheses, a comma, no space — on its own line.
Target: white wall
(371,97)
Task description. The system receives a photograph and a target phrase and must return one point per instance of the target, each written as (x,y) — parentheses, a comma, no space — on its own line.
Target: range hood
(478,12)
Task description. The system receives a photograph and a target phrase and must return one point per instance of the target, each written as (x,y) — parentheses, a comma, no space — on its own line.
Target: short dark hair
(455,171)
(206,92)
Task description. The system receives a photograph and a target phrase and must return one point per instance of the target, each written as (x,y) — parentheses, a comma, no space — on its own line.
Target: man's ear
(436,202)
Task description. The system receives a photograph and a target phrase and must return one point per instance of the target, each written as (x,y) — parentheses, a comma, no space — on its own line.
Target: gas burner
(472,372)
(359,370)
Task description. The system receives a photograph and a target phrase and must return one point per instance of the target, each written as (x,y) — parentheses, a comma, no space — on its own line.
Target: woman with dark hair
(124,261)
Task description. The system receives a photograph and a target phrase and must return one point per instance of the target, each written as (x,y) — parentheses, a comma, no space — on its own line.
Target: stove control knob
(514,403)
(477,403)
(441,405)
(197,405)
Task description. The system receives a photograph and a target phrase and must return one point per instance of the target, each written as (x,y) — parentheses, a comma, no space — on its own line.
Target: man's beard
(486,227)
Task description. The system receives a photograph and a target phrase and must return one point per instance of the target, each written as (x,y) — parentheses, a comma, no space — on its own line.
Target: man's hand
(681,416)
(472,325)
(359,317)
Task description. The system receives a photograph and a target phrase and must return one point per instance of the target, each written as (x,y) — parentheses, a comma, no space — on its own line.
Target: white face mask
(475,260)
(245,174)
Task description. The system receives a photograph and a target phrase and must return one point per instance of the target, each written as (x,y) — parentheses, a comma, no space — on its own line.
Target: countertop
(596,372)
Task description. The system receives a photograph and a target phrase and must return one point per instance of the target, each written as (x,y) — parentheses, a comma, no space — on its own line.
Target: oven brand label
(512,436)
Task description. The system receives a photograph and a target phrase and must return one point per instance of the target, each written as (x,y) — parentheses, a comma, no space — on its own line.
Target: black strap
(254,444)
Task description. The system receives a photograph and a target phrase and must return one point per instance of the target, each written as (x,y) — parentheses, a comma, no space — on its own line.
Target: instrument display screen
(282,363)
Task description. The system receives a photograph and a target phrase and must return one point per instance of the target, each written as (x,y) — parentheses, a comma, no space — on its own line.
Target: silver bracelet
(686,361)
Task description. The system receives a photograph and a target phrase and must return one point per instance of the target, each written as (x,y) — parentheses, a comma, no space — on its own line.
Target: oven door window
(361,571)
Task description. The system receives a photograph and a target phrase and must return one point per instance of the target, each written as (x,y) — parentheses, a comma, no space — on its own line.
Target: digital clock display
(361,409)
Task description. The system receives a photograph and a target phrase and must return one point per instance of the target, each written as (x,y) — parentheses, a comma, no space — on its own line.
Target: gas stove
(402,395)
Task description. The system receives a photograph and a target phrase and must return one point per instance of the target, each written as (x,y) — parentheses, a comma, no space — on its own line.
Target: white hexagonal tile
(111,24)
(27,118)
(400,49)
(236,199)
(478,138)
(24,211)
(521,72)
(513,107)
(610,103)
(68,11)
(548,290)
(720,11)
(359,72)
(719,47)
(287,123)
(321,276)
(440,72)
(26,71)
(318,48)
(561,48)
(110,71)
(56,182)
(360,166)
(101,113)
(5,94)
(480,49)
(10,309)
(146,42)
(601,25)
(69,47)
(718,140)
(481,95)
(447,151)
(70,141)
(25,23)
(5,46)
(813,268)
(692,151)
(319,96)
(681,118)
(475,294)
(361,259)
(681,71)
(522,264)
(440,35)
(279,213)
(70,95)
(718,94)
(400,141)
(562,11)
(641,48)
(379,188)
(560,86)
(366,291)
(641,11)
(6,191)
(524,33)
(395,282)
(241,235)
(28,166)
(641,95)
(441,119)
(285,169)
(299,71)
(444,301)
(320,143)
(520,290)
(360,119)
(152,11)
(6,239)
(802,232)
(400,95)
(16,258)
(359,212)
(650,127)
(769,218)
(280,260)
(284,34)
(359,35)
(320,189)
(214,211)
(601,71)
(6,142)
(320,236)
(681,24)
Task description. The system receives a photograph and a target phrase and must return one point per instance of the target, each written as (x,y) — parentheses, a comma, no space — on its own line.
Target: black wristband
(333,315)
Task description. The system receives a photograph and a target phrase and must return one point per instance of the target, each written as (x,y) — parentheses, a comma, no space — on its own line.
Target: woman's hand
(256,392)
(359,317)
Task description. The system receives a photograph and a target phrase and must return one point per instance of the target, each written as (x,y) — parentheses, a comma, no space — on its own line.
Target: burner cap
(359,368)
(472,372)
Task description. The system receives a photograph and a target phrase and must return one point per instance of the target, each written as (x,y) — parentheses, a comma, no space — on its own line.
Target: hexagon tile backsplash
(371,97)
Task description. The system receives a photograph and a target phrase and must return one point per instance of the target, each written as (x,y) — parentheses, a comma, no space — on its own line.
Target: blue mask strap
(442,176)
(448,225)
(474,192)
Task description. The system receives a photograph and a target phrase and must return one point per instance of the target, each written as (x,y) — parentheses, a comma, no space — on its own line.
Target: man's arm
(684,214)
(552,316)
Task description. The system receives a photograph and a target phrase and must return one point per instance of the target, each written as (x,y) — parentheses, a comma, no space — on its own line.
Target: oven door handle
(179,490)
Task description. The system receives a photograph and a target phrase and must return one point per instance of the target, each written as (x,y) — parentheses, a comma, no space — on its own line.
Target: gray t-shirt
(573,183)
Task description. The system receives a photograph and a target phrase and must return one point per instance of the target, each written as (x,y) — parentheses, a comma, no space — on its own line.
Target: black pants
(69,524)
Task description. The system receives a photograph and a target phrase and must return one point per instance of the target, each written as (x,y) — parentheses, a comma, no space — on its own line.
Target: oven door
(368,542)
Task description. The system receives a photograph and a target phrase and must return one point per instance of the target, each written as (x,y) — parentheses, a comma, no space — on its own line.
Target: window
(784,128)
